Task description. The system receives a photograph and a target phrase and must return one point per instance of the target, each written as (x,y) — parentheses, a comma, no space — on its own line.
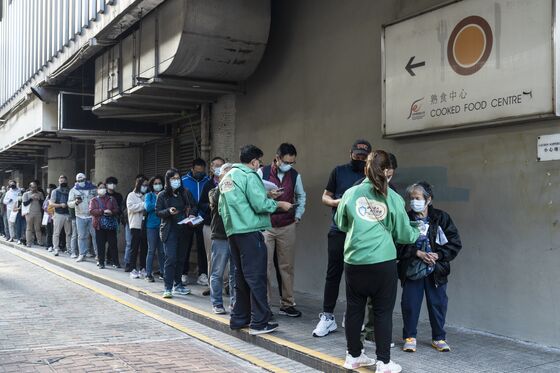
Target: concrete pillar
(61,161)
(119,160)
(222,129)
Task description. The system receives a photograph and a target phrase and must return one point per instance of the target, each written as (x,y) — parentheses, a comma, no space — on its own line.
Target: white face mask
(101,191)
(81,184)
(417,205)
(158,187)
(285,167)
(143,189)
(217,171)
(110,186)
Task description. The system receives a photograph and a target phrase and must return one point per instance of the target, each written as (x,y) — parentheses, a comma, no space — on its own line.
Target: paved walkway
(52,320)
(471,351)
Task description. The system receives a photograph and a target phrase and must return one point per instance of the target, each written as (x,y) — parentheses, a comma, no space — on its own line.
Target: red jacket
(98,204)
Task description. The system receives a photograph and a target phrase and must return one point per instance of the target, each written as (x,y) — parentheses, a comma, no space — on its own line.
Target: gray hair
(417,187)
(225,168)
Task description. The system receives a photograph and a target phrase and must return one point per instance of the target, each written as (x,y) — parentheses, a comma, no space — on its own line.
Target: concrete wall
(62,161)
(319,87)
(119,160)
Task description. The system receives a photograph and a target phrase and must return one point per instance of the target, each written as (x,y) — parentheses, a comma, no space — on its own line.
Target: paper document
(441,238)
(192,221)
(269,186)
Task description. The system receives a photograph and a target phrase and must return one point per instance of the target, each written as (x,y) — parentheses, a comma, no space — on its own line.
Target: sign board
(469,63)
(548,147)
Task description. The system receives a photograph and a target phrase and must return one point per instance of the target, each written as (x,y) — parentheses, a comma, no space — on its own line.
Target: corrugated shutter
(156,157)
(187,143)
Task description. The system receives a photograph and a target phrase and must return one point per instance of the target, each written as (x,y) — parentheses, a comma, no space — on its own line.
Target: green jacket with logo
(244,205)
(373,224)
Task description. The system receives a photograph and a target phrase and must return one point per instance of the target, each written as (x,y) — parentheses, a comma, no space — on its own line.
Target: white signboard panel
(548,147)
(469,63)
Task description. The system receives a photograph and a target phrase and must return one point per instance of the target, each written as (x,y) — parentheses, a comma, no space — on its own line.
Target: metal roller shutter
(157,157)
(187,143)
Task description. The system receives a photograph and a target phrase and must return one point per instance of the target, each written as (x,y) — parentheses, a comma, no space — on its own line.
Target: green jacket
(244,205)
(373,224)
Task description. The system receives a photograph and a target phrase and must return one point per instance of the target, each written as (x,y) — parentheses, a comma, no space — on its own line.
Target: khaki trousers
(33,226)
(283,240)
(62,221)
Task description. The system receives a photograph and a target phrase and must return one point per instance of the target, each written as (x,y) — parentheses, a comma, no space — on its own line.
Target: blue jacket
(194,186)
(150,206)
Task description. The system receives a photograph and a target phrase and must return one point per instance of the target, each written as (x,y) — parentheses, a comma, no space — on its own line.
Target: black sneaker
(101,266)
(290,311)
(206,292)
(150,278)
(268,328)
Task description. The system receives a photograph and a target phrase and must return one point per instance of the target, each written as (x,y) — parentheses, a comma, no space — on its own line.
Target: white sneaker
(358,362)
(73,256)
(325,326)
(142,273)
(202,280)
(50,249)
(134,274)
(56,252)
(81,258)
(388,368)
(185,279)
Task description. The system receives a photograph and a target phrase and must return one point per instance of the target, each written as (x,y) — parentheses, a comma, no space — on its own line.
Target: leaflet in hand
(192,221)
(269,186)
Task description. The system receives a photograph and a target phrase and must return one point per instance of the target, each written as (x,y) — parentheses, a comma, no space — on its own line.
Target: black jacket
(446,253)
(163,204)
(204,202)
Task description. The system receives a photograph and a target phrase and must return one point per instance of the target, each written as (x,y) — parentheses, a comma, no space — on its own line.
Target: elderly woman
(424,266)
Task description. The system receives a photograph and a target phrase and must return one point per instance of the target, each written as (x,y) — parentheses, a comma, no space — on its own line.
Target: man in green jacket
(245,209)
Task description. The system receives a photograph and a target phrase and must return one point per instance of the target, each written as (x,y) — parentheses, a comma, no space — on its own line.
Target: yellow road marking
(222,346)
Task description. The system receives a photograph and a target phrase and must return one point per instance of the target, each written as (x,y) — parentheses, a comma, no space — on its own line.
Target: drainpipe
(205,132)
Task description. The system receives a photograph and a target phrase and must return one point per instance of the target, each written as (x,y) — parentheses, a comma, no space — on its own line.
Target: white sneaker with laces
(358,362)
(81,258)
(390,367)
(134,274)
(202,280)
(142,273)
(185,279)
(325,326)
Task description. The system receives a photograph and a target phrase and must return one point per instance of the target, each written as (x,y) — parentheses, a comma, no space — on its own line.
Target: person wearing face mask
(152,228)
(78,199)
(50,213)
(3,219)
(174,204)
(194,181)
(111,182)
(135,210)
(374,219)
(245,209)
(341,179)
(21,224)
(33,200)
(10,199)
(424,266)
(204,207)
(281,238)
(104,210)
(61,218)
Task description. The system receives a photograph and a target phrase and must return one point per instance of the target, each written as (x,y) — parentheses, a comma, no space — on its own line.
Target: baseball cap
(361,147)
(80,176)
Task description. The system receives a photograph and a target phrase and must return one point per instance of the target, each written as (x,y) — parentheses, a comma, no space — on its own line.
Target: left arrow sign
(410,65)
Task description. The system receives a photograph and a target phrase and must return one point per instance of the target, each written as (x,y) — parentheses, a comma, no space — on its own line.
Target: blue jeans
(412,297)
(21,226)
(220,256)
(128,243)
(175,253)
(74,241)
(6,226)
(85,229)
(154,243)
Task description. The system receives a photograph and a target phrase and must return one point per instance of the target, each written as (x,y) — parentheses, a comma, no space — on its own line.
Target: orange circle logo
(469,45)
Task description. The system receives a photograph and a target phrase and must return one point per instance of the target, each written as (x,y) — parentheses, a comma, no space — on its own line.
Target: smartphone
(279,190)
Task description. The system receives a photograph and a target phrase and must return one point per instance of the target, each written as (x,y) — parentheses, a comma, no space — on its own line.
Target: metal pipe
(205,131)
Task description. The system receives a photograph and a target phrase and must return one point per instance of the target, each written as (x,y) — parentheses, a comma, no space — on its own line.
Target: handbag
(108,223)
(45,220)
(25,209)
(417,269)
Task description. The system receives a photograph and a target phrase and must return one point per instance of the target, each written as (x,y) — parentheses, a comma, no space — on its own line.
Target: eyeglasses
(289,163)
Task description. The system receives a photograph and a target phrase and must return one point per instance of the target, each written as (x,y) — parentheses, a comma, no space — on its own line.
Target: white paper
(441,238)
(269,186)
(192,221)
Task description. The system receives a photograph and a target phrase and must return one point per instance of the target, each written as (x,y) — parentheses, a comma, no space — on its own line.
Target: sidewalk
(471,351)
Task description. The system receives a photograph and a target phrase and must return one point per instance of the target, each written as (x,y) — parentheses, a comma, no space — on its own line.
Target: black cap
(361,147)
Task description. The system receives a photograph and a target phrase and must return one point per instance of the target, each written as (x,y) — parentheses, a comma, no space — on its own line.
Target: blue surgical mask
(157,187)
(417,205)
(81,184)
(175,184)
(285,167)
(143,189)
(217,171)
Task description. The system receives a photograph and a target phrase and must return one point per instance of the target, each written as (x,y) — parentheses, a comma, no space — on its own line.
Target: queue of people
(243,218)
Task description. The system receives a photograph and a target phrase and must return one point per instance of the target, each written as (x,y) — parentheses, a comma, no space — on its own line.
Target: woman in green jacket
(374,218)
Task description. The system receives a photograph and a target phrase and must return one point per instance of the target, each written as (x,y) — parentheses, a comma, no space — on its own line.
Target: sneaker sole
(358,366)
(409,350)
(330,330)
(441,349)
(168,296)
(219,312)
(258,332)
(186,293)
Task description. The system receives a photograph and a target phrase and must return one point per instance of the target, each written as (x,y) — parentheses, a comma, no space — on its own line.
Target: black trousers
(378,281)
(250,256)
(335,268)
(138,245)
(200,250)
(104,237)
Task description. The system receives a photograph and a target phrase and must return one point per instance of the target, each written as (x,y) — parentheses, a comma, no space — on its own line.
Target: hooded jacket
(87,192)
